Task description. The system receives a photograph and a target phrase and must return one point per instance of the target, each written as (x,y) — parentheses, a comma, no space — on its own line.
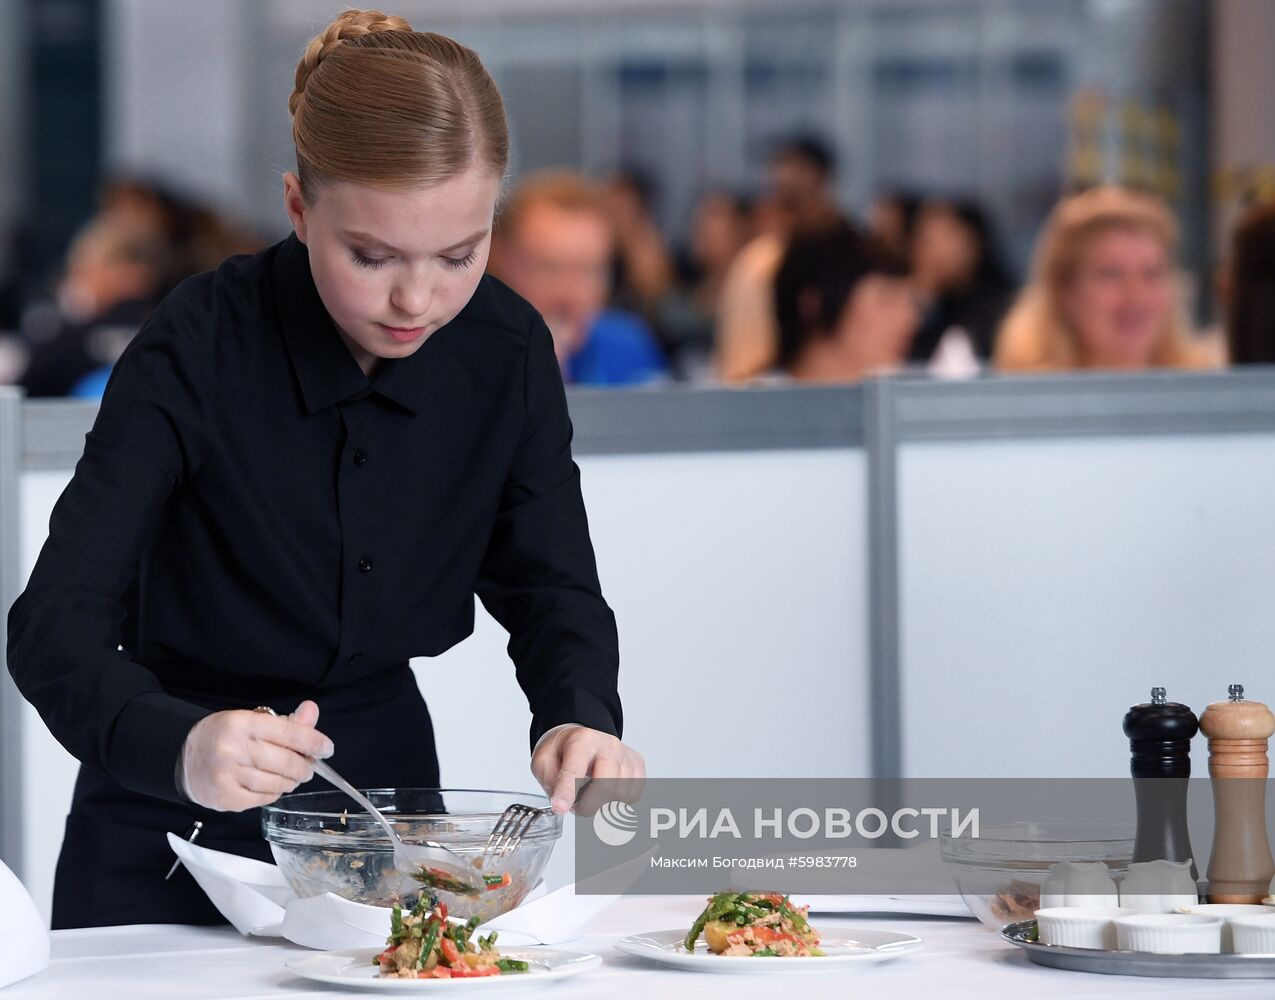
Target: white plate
(851,946)
(353,968)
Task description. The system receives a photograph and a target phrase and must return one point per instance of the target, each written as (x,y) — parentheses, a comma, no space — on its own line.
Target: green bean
(718,907)
(427,944)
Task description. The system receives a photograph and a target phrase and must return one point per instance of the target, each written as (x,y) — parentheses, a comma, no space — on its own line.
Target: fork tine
(510,828)
(526,820)
(499,832)
(517,814)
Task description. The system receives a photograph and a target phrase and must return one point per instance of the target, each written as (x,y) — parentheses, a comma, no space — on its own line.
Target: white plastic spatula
(408,858)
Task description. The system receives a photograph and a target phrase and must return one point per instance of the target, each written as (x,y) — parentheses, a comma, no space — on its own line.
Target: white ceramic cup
(1254,935)
(1158,887)
(1228,912)
(1079,926)
(1076,883)
(1170,933)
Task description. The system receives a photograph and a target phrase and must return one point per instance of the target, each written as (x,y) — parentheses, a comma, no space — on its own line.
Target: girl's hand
(238,759)
(573,753)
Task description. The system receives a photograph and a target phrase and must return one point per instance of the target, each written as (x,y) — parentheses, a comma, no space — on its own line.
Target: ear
(294,204)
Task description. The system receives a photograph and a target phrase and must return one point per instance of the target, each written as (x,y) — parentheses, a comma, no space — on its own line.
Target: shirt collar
(324,366)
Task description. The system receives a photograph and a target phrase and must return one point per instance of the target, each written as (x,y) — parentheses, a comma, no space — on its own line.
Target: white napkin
(558,916)
(24,940)
(254,897)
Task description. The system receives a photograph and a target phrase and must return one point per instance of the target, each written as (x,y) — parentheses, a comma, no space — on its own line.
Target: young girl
(303,469)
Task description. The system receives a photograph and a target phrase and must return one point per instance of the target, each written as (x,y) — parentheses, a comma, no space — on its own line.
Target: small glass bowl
(1000,872)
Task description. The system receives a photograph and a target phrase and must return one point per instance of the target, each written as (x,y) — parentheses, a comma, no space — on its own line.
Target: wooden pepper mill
(1241,866)
(1160,735)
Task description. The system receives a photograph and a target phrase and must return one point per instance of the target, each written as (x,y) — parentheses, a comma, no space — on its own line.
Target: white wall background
(48,770)
(738,581)
(193,130)
(1049,585)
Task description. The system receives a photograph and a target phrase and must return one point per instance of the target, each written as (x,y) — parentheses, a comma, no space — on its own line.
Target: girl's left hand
(573,753)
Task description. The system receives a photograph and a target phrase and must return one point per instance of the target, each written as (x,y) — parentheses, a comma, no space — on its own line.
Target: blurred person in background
(1105,292)
(959,277)
(1250,322)
(685,316)
(114,277)
(14,351)
(799,196)
(197,237)
(643,264)
(892,220)
(554,245)
(844,308)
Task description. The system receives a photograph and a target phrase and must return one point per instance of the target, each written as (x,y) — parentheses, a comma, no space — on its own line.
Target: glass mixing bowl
(1000,872)
(324,842)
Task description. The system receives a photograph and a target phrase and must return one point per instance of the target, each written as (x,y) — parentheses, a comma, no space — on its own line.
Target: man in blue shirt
(554,247)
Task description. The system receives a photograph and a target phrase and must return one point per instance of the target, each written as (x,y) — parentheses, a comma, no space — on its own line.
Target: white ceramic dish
(1079,884)
(1254,934)
(1158,887)
(353,969)
(1170,933)
(843,949)
(1080,926)
(1228,912)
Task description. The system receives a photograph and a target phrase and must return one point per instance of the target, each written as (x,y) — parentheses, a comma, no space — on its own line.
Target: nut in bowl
(323,843)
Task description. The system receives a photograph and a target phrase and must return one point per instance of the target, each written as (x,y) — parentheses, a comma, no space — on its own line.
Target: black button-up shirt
(252,514)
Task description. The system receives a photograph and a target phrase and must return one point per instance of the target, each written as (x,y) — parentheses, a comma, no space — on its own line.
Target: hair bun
(349,24)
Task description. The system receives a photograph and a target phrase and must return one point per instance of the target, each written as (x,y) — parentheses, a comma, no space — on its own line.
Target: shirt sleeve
(65,631)
(539,578)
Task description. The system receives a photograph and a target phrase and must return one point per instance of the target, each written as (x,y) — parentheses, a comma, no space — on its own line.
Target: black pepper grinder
(1160,742)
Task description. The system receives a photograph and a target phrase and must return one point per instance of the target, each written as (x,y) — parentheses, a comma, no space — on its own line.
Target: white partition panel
(1047,585)
(738,582)
(48,770)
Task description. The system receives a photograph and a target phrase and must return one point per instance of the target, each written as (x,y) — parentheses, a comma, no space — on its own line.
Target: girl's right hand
(238,759)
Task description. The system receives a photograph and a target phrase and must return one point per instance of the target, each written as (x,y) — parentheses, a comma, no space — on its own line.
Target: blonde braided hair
(375,102)
(349,24)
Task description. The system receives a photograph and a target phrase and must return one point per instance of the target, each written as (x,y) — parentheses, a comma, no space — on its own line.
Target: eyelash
(459,262)
(372,263)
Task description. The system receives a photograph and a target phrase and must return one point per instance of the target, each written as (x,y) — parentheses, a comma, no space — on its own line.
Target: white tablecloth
(961,959)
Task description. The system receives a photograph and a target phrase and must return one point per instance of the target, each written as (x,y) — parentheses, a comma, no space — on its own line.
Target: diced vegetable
(425,944)
(748,923)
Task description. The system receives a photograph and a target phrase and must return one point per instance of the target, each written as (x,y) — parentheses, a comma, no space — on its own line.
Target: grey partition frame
(880,416)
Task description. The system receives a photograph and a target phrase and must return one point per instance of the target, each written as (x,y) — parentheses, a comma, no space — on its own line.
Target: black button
(365,565)
(360,457)
(356,657)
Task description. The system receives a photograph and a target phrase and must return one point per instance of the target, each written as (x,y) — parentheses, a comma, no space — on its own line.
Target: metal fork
(513,825)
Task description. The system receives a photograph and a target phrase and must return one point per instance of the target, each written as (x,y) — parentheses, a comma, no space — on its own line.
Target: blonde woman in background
(1105,292)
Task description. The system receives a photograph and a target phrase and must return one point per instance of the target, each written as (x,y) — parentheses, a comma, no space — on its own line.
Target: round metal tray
(1138,963)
